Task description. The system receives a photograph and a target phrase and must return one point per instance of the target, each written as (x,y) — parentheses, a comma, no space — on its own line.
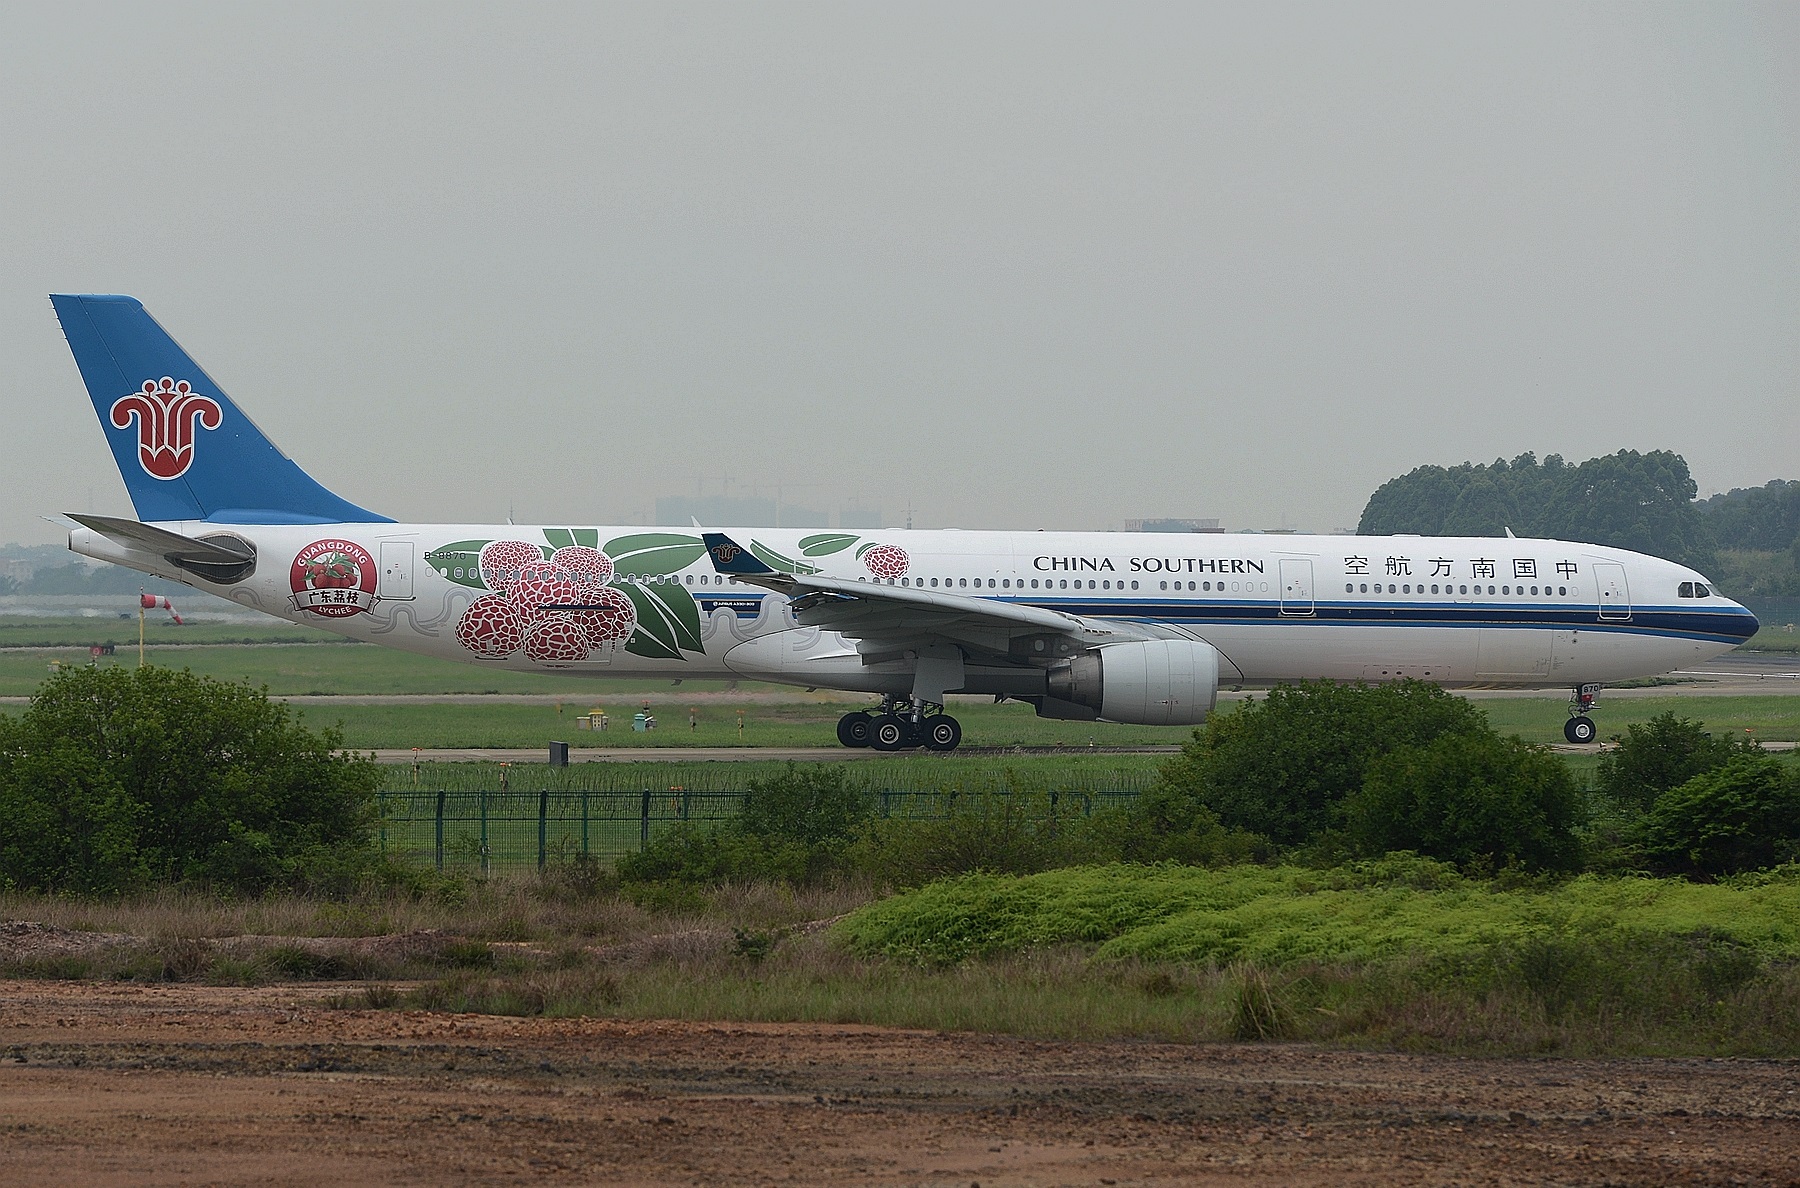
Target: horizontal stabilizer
(162,543)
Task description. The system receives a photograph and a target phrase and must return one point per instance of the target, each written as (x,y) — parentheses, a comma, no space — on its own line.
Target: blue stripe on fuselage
(1717,626)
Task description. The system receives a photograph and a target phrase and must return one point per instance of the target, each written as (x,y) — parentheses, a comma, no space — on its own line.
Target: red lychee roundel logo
(333,579)
(558,611)
(886,561)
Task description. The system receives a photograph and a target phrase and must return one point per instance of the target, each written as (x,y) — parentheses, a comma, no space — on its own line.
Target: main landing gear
(1580,728)
(900,725)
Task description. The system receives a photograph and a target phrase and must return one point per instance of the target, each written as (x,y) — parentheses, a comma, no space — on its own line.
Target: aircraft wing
(888,619)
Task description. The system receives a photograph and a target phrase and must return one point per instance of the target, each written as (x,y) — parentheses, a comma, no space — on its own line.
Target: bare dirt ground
(108,1083)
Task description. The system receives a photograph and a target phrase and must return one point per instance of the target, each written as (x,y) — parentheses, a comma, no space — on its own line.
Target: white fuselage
(1456,611)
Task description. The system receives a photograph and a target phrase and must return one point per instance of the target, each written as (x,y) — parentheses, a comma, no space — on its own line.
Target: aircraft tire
(1580,729)
(853,730)
(942,733)
(887,732)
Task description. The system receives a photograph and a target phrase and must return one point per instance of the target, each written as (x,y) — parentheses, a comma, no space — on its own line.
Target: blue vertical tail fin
(185,450)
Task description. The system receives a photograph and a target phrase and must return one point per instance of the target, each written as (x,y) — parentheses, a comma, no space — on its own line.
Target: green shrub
(1011,832)
(1477,800)
(1742,816)
(1169,823)
(1661,754)
(115,778)
(794,828)
(695,854)
(814,804)
(1274,917)
(1281,767)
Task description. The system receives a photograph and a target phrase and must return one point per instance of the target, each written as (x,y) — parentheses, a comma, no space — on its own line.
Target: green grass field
(766,724)
(812,723)
(330,668)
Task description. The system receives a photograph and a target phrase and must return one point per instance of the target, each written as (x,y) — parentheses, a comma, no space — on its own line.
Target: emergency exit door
(1615,595)
(1296,586)
(396,570)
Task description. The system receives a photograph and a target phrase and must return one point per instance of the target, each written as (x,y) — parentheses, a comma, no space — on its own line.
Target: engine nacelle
(1155,682)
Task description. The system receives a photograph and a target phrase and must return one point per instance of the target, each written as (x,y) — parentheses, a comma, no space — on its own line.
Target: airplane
(1123,627)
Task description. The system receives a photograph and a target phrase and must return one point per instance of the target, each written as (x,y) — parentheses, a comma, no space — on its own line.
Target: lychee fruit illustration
(501,561)
(886,561)
(557,639)
(541,584)
(491,627)
(584,564)
(608,620)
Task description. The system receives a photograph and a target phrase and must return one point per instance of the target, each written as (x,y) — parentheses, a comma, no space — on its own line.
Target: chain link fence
(487,830)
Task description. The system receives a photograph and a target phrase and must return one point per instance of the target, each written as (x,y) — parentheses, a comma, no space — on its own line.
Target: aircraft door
(396,571)
(1296,586)
(1615,595)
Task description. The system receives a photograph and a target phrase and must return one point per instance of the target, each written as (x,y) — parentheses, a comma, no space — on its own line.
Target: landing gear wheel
(853,730)
(1580,730)
(889,733)
(942,733)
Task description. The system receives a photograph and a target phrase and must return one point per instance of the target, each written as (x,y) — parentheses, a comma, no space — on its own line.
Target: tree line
(1644,502)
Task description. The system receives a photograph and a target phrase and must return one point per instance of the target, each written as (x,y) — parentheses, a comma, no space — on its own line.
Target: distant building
(1172,526)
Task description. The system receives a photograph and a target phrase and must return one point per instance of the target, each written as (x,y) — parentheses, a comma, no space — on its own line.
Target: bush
(1169,823)
(694,854)
(1280,767)
(794,828)
(115,778)
(1742,816)
(1010,832)
(1477,800)
(1661,754)
(813,804)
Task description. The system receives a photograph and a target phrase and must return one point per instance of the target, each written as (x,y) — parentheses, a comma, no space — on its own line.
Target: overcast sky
(1021,266)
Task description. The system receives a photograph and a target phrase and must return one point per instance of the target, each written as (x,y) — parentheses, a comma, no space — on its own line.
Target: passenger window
(1064,583)
(1006,583)
(1134,585)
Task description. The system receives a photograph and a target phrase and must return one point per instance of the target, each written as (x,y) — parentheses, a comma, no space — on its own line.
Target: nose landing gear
(899,725)
(1580,728)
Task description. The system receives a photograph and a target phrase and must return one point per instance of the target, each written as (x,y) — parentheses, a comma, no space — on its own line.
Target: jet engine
(1156,682)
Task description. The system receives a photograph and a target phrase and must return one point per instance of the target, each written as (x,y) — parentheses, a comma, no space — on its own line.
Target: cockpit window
(1701,591)
(1686,591)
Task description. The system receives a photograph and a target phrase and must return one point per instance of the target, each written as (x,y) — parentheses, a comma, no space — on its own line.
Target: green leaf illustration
(668,620)
(825,543)
(865,548)
(777,562)
(654,553)
(562,538)
(459,562)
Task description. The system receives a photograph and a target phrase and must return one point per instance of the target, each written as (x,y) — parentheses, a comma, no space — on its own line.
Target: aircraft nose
(1744,623)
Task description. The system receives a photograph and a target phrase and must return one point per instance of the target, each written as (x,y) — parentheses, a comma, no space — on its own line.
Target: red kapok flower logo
(886,561)
(169,414)
(333,579)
